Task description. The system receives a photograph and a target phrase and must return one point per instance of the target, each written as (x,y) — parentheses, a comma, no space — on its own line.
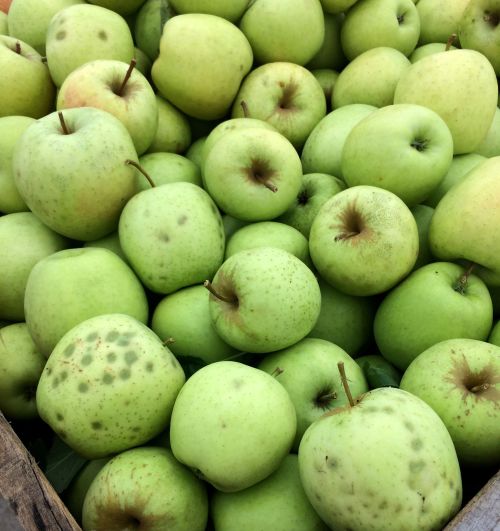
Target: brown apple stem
(212,290)
(168,341)
(345,236)
(244,106)
(64,127)
(277,371)
(18,47)
(343,378)
(480,387)
(461,284)
(451,39)
(142,170)
(130,69)
(270,186)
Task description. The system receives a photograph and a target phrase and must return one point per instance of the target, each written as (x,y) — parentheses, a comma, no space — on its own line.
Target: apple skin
(431,305)
(330,54)
(148,26)
(308,371)
(464,224)
(406,149)
(231,10)
(111,242)
(428,49)
(123,8)
(274,300)
(357,234)
(26,86)
(97,84)
(440,19)
(145,487)
(327,78)
(196,47)
(233,424)
(21,365)
(460,380)
(490,145)
(386,463)
(4,28)
(277,502)
(423,215)
(103,365)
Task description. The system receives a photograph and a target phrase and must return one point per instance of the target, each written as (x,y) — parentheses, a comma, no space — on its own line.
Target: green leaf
(379,372)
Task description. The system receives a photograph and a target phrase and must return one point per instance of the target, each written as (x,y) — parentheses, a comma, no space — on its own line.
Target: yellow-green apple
(406,149)
(70,168)
(272,30)
(21,365)
(330,54)
(439,19)
(230,10)
(308,371)
(386,462)
(327,78)
(494,337)
(170,248)
(461,86)
(173,134)
(108,385)
(370,78)
(364,240)
(148,26)
(253,174)
(122,7)
(142,62)
(25,83)
(428,49)
(436,302)
(232,424)
(4,28)
(460,380)
(110,242)
(202,60)
(263,299)
(337,6)
(423,215)
(81,33)
(117,88)
(490,144)
(286,95)
(24,241)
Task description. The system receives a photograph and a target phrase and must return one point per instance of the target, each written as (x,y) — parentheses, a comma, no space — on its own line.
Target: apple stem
(345,235)
(18,47)
(343,378)
(211,289)
(244,106)
(130,69)
(270,186)
(277,371)
(64,127)
(450,41)
(462,281)
(168,341)
(142,170)
(480,387)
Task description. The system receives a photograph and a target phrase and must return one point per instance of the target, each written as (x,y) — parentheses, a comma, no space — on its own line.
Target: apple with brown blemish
(460,380)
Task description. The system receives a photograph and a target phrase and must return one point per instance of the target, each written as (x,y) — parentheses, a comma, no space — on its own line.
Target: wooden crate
(29,503)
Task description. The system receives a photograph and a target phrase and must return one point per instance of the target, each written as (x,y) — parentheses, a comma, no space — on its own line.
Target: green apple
(459,379)
(428,49)
(337,6)
(122,7)
(286,95)
(478,29)
(108,385)
(170,248)
(316,189)
(253,174)
(117,88)
(173,134)
(11,129)
(166,168)
(464,225)
(461,86)
(24,241)
(148,26)
(25,83)
(28,20)
(370,78)
(269,234)
(110,242)
(344,320)
(277,502)
(439,19)
(231,225)
(228,9)
(423,215)
(145,488)
(490,145)
(195,151)
(184,316)
(202,60)
(81,33)
(142,62)
(63,290)
(387,462)
(398,26)
(459,168)
(323,148)
(327,79)
(58,176)
(364,240)
(436,302)
(4,28)
(21,365)
(494,337)
(284,30)
(406,149)
(330,54)
(263,299)
(232,424)
(308,371)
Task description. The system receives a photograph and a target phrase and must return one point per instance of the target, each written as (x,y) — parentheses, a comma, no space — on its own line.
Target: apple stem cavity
(136,165)
(480,388)
(130,69)
(244,106)
(18,47)
(451,39)
(493,19)
(211,289)
(343,379)
(64,127)
(461,284)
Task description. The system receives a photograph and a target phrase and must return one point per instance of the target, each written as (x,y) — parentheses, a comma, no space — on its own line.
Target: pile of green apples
(299,197)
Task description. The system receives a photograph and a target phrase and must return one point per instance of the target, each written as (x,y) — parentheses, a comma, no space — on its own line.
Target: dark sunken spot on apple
(352,224)
(68,351)
(493,19)
(83,387)
(96,425)
(111,357)
(260,172)
(149,366)
(102,35)
(182,220)
(60,35)
(107,378)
